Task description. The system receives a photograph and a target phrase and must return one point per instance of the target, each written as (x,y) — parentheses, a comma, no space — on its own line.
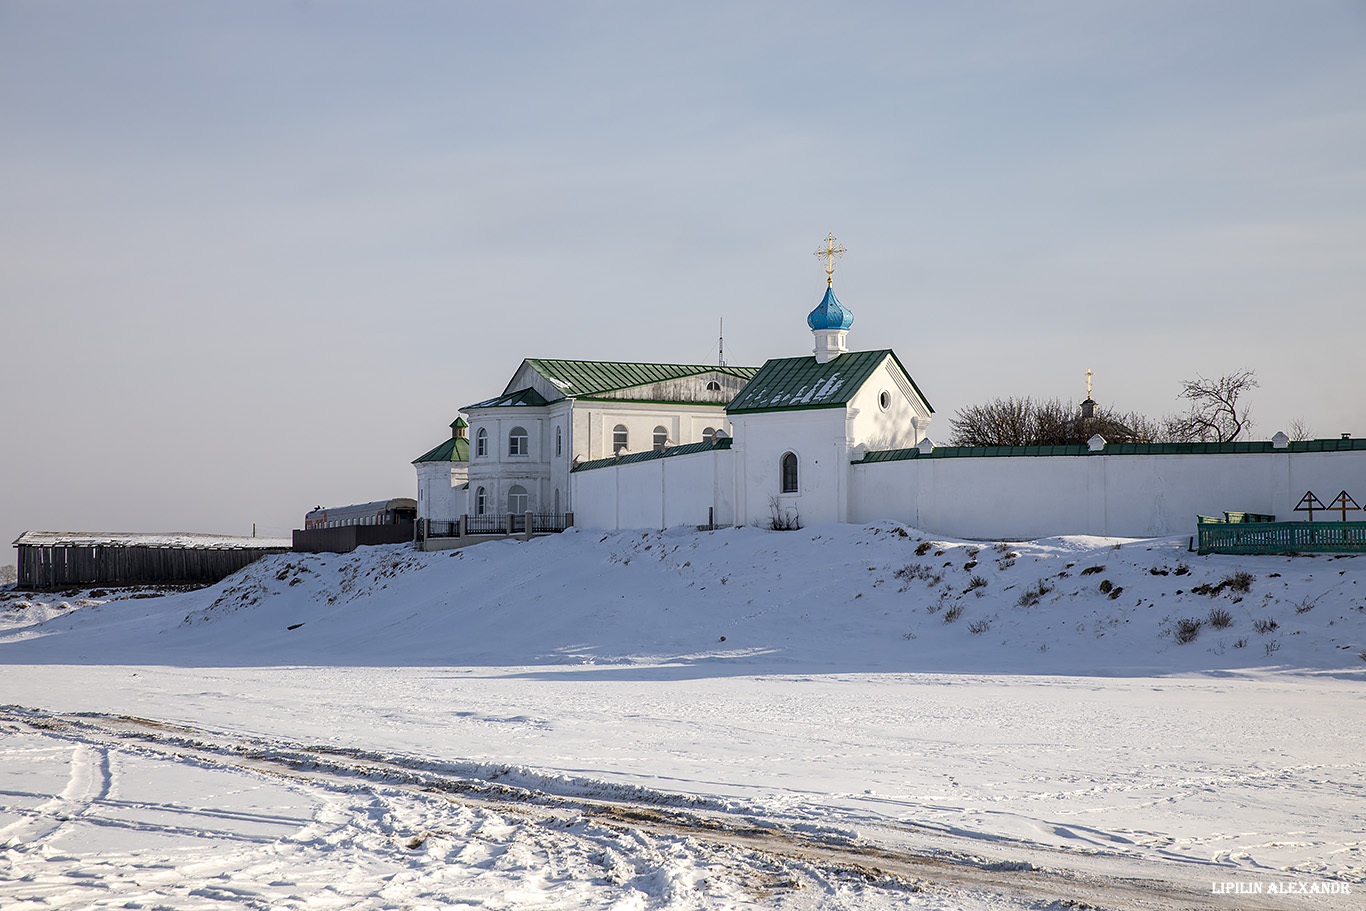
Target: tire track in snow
(1031,874)
(88,781)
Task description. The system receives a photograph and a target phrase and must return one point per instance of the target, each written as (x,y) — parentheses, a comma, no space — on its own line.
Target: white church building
(831,436)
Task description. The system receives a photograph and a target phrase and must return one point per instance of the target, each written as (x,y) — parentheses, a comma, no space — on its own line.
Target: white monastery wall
(657,493)
(1120,495)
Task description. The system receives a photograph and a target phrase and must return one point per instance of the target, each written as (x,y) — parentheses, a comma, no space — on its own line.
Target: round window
(884,400)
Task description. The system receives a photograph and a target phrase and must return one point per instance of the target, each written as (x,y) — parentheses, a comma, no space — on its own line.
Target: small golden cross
(830,251)
(1088,383)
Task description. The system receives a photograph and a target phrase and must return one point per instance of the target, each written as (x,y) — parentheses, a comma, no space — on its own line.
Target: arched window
(661,437)
(559,442)
(709,435)
(556,510)
(619,440)
(517,500)
(517,442)
(713,386)
(481,500)
(481,443)
(789,466)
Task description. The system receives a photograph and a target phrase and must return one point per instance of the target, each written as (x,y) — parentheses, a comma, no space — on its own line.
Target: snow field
(810,681)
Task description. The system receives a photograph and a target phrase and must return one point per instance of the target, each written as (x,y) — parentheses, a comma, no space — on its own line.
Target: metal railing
(541,523)
(1280,537)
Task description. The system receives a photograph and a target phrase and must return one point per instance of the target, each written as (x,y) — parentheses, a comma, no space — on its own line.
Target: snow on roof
(137,539)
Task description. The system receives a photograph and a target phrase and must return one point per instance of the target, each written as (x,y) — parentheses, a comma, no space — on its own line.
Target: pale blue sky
(254,256)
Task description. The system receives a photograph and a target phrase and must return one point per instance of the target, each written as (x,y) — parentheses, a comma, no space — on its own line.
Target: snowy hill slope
(879,597)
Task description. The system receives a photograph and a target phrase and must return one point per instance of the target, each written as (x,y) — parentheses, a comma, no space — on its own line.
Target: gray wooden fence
(64,565)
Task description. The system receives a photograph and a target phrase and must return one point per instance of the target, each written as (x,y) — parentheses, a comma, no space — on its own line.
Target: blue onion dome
(829,314)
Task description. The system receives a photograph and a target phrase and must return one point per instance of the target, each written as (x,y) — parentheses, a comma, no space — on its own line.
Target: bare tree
(8,575)
(1214,415)
(1053,422)
(1299,430)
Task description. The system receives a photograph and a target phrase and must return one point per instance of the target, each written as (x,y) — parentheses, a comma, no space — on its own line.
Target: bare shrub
(1001,547)
(1306,604)
(978,627)
(1186,630)
(973,552)
(1238,582)
(918,571)
(783,518)
(1092,569)
(1219,618)
(975,583)
(1032,595)
(923,548)
(9,575)
(1265,626)
(1116,592)
(1106,585)
(953,613)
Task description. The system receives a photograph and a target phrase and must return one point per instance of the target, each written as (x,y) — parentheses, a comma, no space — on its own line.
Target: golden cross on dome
(1088,383)
(830,251)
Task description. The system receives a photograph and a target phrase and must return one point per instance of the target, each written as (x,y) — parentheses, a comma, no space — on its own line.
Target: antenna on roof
(721,345)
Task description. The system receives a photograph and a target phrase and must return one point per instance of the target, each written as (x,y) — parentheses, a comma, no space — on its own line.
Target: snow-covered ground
(854,717)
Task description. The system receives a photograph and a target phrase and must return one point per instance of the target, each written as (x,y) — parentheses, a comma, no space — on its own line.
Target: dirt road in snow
(743,855)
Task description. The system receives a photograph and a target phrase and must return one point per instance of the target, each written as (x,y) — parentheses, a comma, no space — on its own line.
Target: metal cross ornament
(830,251)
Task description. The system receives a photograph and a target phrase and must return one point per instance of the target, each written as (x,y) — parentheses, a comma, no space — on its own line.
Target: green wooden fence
(1217,537)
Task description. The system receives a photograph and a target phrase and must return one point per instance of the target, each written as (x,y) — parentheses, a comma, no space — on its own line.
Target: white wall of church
(439,494)
(1120,495)
(900,425)
(595,425)
(819,439)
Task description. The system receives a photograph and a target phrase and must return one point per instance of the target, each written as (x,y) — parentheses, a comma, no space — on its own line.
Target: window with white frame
(517,442)
(713,386)
(661,437)
(481,502)
(481,443)
(789,471)
(620,440)
(517,500)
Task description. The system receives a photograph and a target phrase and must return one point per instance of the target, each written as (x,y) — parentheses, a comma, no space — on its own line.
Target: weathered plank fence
(60,559)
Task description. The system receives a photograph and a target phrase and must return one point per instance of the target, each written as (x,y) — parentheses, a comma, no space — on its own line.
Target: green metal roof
(795,383)
(587,378)
(456,449)
(972,452)
(996,452)
(627,459)
(526,398)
